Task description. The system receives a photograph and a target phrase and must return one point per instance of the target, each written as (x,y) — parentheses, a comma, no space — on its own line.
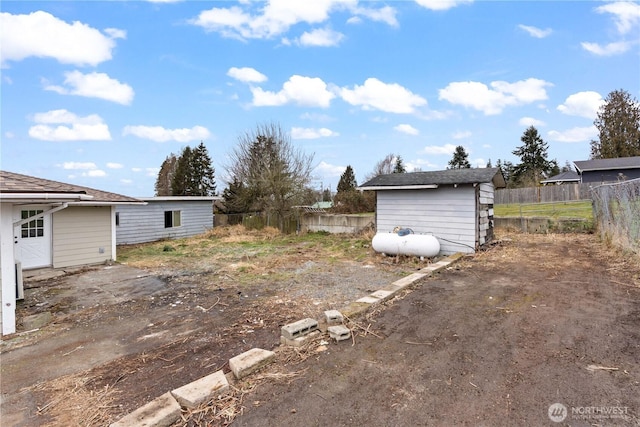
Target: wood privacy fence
(546,194)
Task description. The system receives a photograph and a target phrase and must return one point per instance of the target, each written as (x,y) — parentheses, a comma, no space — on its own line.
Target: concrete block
(299,328)
(339,332)
(300,341)
(333,317)
(382,294)
(201,391)
(250,361)
(160,412)
(368,300)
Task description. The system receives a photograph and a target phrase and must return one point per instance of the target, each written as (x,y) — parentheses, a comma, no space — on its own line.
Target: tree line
(266,173)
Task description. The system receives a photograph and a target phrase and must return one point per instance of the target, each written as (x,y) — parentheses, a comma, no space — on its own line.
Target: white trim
(42,197)
(399,187)
(113,233)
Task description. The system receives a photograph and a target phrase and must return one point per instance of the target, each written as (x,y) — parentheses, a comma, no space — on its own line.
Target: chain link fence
(616,209)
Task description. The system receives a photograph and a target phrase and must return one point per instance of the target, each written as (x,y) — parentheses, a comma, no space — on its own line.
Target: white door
(32,240)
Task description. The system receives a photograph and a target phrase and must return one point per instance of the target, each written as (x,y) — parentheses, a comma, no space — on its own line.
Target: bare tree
(384,166)
(273,174)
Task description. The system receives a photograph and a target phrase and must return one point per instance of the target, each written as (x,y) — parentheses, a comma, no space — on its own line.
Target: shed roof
(435,178)
(563,177)
(608,164)
(12,183)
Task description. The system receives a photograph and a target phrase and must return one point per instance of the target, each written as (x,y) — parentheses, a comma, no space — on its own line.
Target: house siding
(485,212)
(82,235)
(446,212)
(140,224)
(602,176)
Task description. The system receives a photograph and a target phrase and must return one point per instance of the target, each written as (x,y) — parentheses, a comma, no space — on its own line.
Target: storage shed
(168,217)
(601,171)
(455,205)
(46,223)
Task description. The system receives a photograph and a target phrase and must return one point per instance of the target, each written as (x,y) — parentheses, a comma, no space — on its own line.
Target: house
(164,218)
(569,177)
(455,206)
(46,223)
(608,170)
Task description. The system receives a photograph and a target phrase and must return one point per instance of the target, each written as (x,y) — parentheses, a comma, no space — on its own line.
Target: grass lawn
(574,209)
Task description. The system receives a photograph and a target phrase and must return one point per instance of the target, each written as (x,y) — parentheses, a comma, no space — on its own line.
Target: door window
(33,228)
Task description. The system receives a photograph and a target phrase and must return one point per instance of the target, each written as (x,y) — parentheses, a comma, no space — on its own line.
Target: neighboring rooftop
(14,183)
(569,176)
(608,164)
(435,178)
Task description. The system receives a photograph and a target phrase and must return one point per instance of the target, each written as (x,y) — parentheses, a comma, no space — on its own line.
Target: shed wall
(81,235)
(446,212)
(145,223)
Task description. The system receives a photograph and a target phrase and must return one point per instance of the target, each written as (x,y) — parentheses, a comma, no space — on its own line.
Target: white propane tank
(423,245)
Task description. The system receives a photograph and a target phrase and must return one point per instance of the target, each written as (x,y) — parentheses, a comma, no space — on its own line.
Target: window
(117,219)
(171,219)
(33,228)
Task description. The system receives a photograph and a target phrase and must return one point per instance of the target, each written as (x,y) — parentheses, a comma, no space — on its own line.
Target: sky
(99,93)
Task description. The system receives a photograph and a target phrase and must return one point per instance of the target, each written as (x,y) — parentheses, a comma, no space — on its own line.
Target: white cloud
(161,134)
(328,170)
(439,149)
(116,33)
(478,163)
(610,49)
(583,104)
(492,100)
(89,128)
(97,173)
(626,14)
(126,181)
(405,128)
(246,75)
(79,166)
(461,135)
(311,133)
(576,134)
(441,4)
(536,32)
(136,169)
(300,90)
(94,85)
(323,37)
(387,97)
(266,20)
(115,165)
(152,172)
(530,121)
(40,34)
(321,118)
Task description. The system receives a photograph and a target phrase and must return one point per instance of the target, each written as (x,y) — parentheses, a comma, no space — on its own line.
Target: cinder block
(339,332)
(250,361)
(201,391)
(300,341)
(333,317)
(299,328)
(160,412)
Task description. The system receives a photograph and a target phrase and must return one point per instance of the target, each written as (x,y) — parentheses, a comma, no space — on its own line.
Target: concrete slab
(250,361)
(201,391)
(381,294)
(368,300)
(160,412)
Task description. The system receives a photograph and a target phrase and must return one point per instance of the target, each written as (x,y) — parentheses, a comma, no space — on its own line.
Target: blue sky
(99,93)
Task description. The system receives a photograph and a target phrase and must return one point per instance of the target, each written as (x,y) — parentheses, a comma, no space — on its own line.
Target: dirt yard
(495,340)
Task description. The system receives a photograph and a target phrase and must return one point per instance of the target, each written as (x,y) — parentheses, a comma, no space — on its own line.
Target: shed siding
(81,235)
(446,212)
(485,212)
(140,224)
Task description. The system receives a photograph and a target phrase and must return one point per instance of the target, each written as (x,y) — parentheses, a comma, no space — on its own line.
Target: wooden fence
(546,194)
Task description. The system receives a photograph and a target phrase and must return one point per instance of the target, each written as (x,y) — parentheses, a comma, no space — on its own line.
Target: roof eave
(398,187)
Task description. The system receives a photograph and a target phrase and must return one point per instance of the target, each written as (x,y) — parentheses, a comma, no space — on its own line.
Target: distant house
(608,170)
(167,217)
(569,177)
(46,223)
(455,206)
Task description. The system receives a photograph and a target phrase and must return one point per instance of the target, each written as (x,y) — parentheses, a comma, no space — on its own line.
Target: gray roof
(13,183)
(608,164)
(563,177)
(445,177)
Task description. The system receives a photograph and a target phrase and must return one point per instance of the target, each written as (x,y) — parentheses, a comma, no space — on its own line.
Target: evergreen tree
(165,176)
(183,176)
(460,159)
(202,181)
(326,195)
(234,202)
(533,166)
(618,123)
(507,171)
(489,164)
(347,180)
(399,167)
